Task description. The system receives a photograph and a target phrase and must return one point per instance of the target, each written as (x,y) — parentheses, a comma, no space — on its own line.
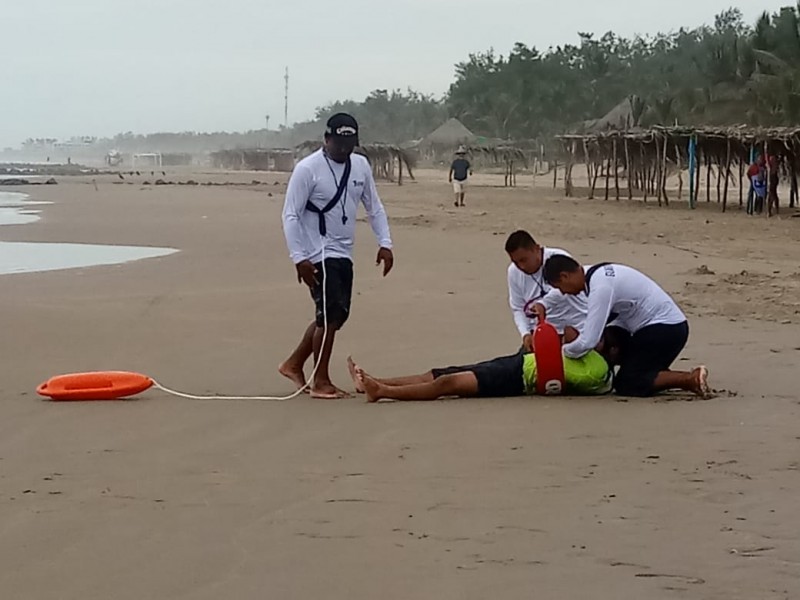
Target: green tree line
(729,72)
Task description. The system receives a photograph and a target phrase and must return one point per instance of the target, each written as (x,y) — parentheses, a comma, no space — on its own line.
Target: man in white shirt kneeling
(659,329)
(527,288)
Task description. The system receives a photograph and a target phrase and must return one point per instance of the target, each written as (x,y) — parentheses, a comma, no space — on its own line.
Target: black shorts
(497,378)
(338,291)
(648,352)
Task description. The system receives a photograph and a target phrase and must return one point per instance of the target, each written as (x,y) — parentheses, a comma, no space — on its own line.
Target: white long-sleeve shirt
(525,290)
(637,300)
(316,179)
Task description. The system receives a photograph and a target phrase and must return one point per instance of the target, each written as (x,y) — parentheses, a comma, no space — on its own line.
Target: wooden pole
(616,170)
(741,181)
(727,176)
(400,170)
(588,168)
(658,172)
(645,176)
(664,171)
(555,173)
(708,178)
(568,171)
(608,176)
(629,170)
(680,172)
(719,178)
(768,199)
(698,169)
(793,173)
(692,168)
(595,175)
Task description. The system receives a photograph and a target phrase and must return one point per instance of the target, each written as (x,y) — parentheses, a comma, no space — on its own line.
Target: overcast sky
(99,67)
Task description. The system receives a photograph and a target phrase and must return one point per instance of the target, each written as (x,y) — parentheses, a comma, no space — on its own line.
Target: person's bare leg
(407,380)
(456,202)
(695,382)
(292,367)
(464,385)
(322,386)
(462,198)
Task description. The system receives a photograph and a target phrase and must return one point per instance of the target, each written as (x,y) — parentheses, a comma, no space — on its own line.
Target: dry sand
(520,498)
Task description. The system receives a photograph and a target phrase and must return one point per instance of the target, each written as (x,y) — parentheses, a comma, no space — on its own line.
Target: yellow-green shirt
(586,376)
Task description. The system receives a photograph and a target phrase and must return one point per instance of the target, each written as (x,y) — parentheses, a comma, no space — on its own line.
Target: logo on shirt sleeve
(609,271)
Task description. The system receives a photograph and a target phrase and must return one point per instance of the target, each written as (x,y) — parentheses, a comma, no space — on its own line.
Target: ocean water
(17,209)
(31,257)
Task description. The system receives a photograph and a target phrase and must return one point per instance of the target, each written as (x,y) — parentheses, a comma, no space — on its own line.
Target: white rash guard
(637,300)
(316,179)
(525,290)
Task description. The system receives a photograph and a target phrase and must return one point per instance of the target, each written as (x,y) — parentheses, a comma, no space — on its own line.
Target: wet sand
(160,497)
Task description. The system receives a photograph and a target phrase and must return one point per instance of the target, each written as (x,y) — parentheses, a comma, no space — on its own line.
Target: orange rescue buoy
(99,385)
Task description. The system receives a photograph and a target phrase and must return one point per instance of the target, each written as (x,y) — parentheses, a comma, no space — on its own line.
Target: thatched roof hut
(452,132)
(624,116)
(445,139)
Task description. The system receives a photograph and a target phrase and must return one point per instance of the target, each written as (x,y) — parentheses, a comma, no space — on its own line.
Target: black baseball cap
(343,127)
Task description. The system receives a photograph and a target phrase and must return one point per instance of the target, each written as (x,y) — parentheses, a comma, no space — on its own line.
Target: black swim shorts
(648,352)
(497,378)
(338,290)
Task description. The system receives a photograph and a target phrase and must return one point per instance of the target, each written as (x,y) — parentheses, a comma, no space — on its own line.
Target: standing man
(322,198)
(459,172)
(527,288)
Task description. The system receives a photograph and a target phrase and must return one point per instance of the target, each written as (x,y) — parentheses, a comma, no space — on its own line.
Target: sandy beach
(160,497)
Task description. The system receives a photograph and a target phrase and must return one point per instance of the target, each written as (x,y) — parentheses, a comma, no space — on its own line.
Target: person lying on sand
(659,329)
(503,377)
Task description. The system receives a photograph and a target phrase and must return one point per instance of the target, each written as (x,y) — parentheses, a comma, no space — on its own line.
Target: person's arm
(297,194)
(450,174)
(469,166)
(598,313)
(376,215)
(516,300)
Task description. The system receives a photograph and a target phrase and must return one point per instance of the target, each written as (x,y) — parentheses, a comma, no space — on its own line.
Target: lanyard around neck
(338,184)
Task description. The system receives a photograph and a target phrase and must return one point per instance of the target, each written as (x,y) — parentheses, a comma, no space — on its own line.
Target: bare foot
(293,374)
(327,391)
(371,387)
(343,393)
(354,368)
(700,377)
